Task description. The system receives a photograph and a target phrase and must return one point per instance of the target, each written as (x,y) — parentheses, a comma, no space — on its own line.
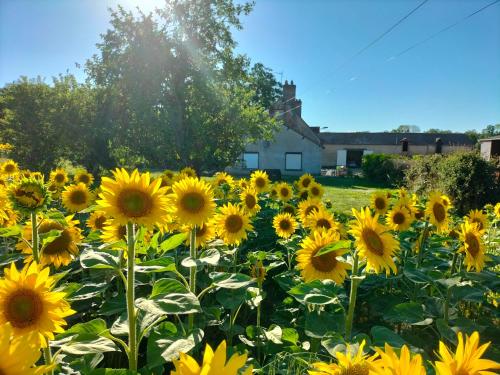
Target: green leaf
(96,327)
(172,242)
(333,343)
(99,260)
(318,325)
(172,303)
(446,332)
(408,312)
(290,335)
(417,276)
(209,257)
(339,245)
(89,344)
(12,231)
(89,290)
(163,264)
(319,292)
(382,335)
(111,371)
(48,237)
(274,334)
(231,280)
(166,286)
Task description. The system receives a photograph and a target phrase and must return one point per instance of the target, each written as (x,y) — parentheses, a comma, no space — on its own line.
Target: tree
(174,93)
(490,131)
(406,129)
(434,130)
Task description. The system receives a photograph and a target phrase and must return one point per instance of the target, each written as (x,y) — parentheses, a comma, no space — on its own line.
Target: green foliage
(383,168)
(466,177)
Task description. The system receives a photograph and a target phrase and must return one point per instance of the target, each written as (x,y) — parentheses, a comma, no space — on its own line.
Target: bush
(466,177)
(388,169)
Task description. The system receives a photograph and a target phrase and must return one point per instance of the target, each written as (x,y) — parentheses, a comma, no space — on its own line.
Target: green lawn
(348,192)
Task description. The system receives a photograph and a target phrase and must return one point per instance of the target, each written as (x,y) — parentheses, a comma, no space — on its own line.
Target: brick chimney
(289,99)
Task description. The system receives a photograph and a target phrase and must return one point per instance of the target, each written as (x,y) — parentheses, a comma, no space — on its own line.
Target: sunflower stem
(34,237)
(47,356)
(446,312)
(352,297)
(192,272)
(423,239)
(453,263)
(132,332)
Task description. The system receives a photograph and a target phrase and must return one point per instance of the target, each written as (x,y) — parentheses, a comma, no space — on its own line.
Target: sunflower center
(84,178)
(234,223)
(398,218)
(285,224)
(478,222)
(306,182)
(78,197)
(315,191)
(23,308)
(325,262)
(289,209)
(222,182)
(250,201)
(99,222)
(135,203)
(193,202)
(323,223)
(310,209)
(356,369)
(439,212)
(284,192)
(472,244)
(60,245)
(122,232)
(260,182)
(59,178)
(304,194)
(380,203)
(10,168)
(373,241)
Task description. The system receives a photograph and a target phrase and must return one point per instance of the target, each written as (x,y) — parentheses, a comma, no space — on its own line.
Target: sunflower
(97,220)
(307,207)
(321,219)
(243,183)
(59,177)
(467,358)
(222,178)
(192,201)
(204,234)
(471,238)
(113,232)
(19,354)
(304,181)
(62,249)
(9,168)
(329,266)
(348,363)
(55,191)
(76,198)
(303,194)
(373,241)
(315,190)
(188,172)
(29,195)
(437,211)
(496,210)
(260,181)
(213,363)
(83,177)
(284,191)
(28,303)
(250,201)
(284,225)
(478,217)
(390,363)
(399,218)
(232,224)
(168,176)
(133,198)
(380,202)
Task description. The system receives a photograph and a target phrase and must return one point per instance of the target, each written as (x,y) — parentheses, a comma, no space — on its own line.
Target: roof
(367,138)
(495,138)
(297,123)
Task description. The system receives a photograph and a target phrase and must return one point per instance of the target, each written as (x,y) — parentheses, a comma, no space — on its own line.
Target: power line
(443,30)
(372,43)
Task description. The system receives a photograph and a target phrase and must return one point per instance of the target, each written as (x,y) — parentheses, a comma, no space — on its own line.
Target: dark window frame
(251,152)
(301,161)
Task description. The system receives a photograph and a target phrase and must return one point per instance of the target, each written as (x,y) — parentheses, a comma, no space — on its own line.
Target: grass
(346,193)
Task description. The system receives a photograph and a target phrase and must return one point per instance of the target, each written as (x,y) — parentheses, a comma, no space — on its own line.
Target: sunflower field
(140,273)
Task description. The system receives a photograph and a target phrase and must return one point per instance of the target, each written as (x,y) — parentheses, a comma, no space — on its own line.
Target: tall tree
(174,91)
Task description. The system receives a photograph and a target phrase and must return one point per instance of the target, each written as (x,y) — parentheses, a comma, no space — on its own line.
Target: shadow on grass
(351,182)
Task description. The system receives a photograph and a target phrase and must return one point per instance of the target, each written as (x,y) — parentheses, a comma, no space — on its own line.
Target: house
(295,149)
(298,148)
(347,149)
(490,147)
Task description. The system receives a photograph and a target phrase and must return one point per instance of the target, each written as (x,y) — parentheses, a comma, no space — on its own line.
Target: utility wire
(443,30)
(373,42)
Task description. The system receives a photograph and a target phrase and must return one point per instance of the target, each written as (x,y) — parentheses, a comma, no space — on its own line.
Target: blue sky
(450,82)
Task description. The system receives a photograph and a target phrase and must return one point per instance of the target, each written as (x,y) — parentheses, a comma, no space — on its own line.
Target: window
(404,144)
(293,161)
(251,160)
(439,146)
